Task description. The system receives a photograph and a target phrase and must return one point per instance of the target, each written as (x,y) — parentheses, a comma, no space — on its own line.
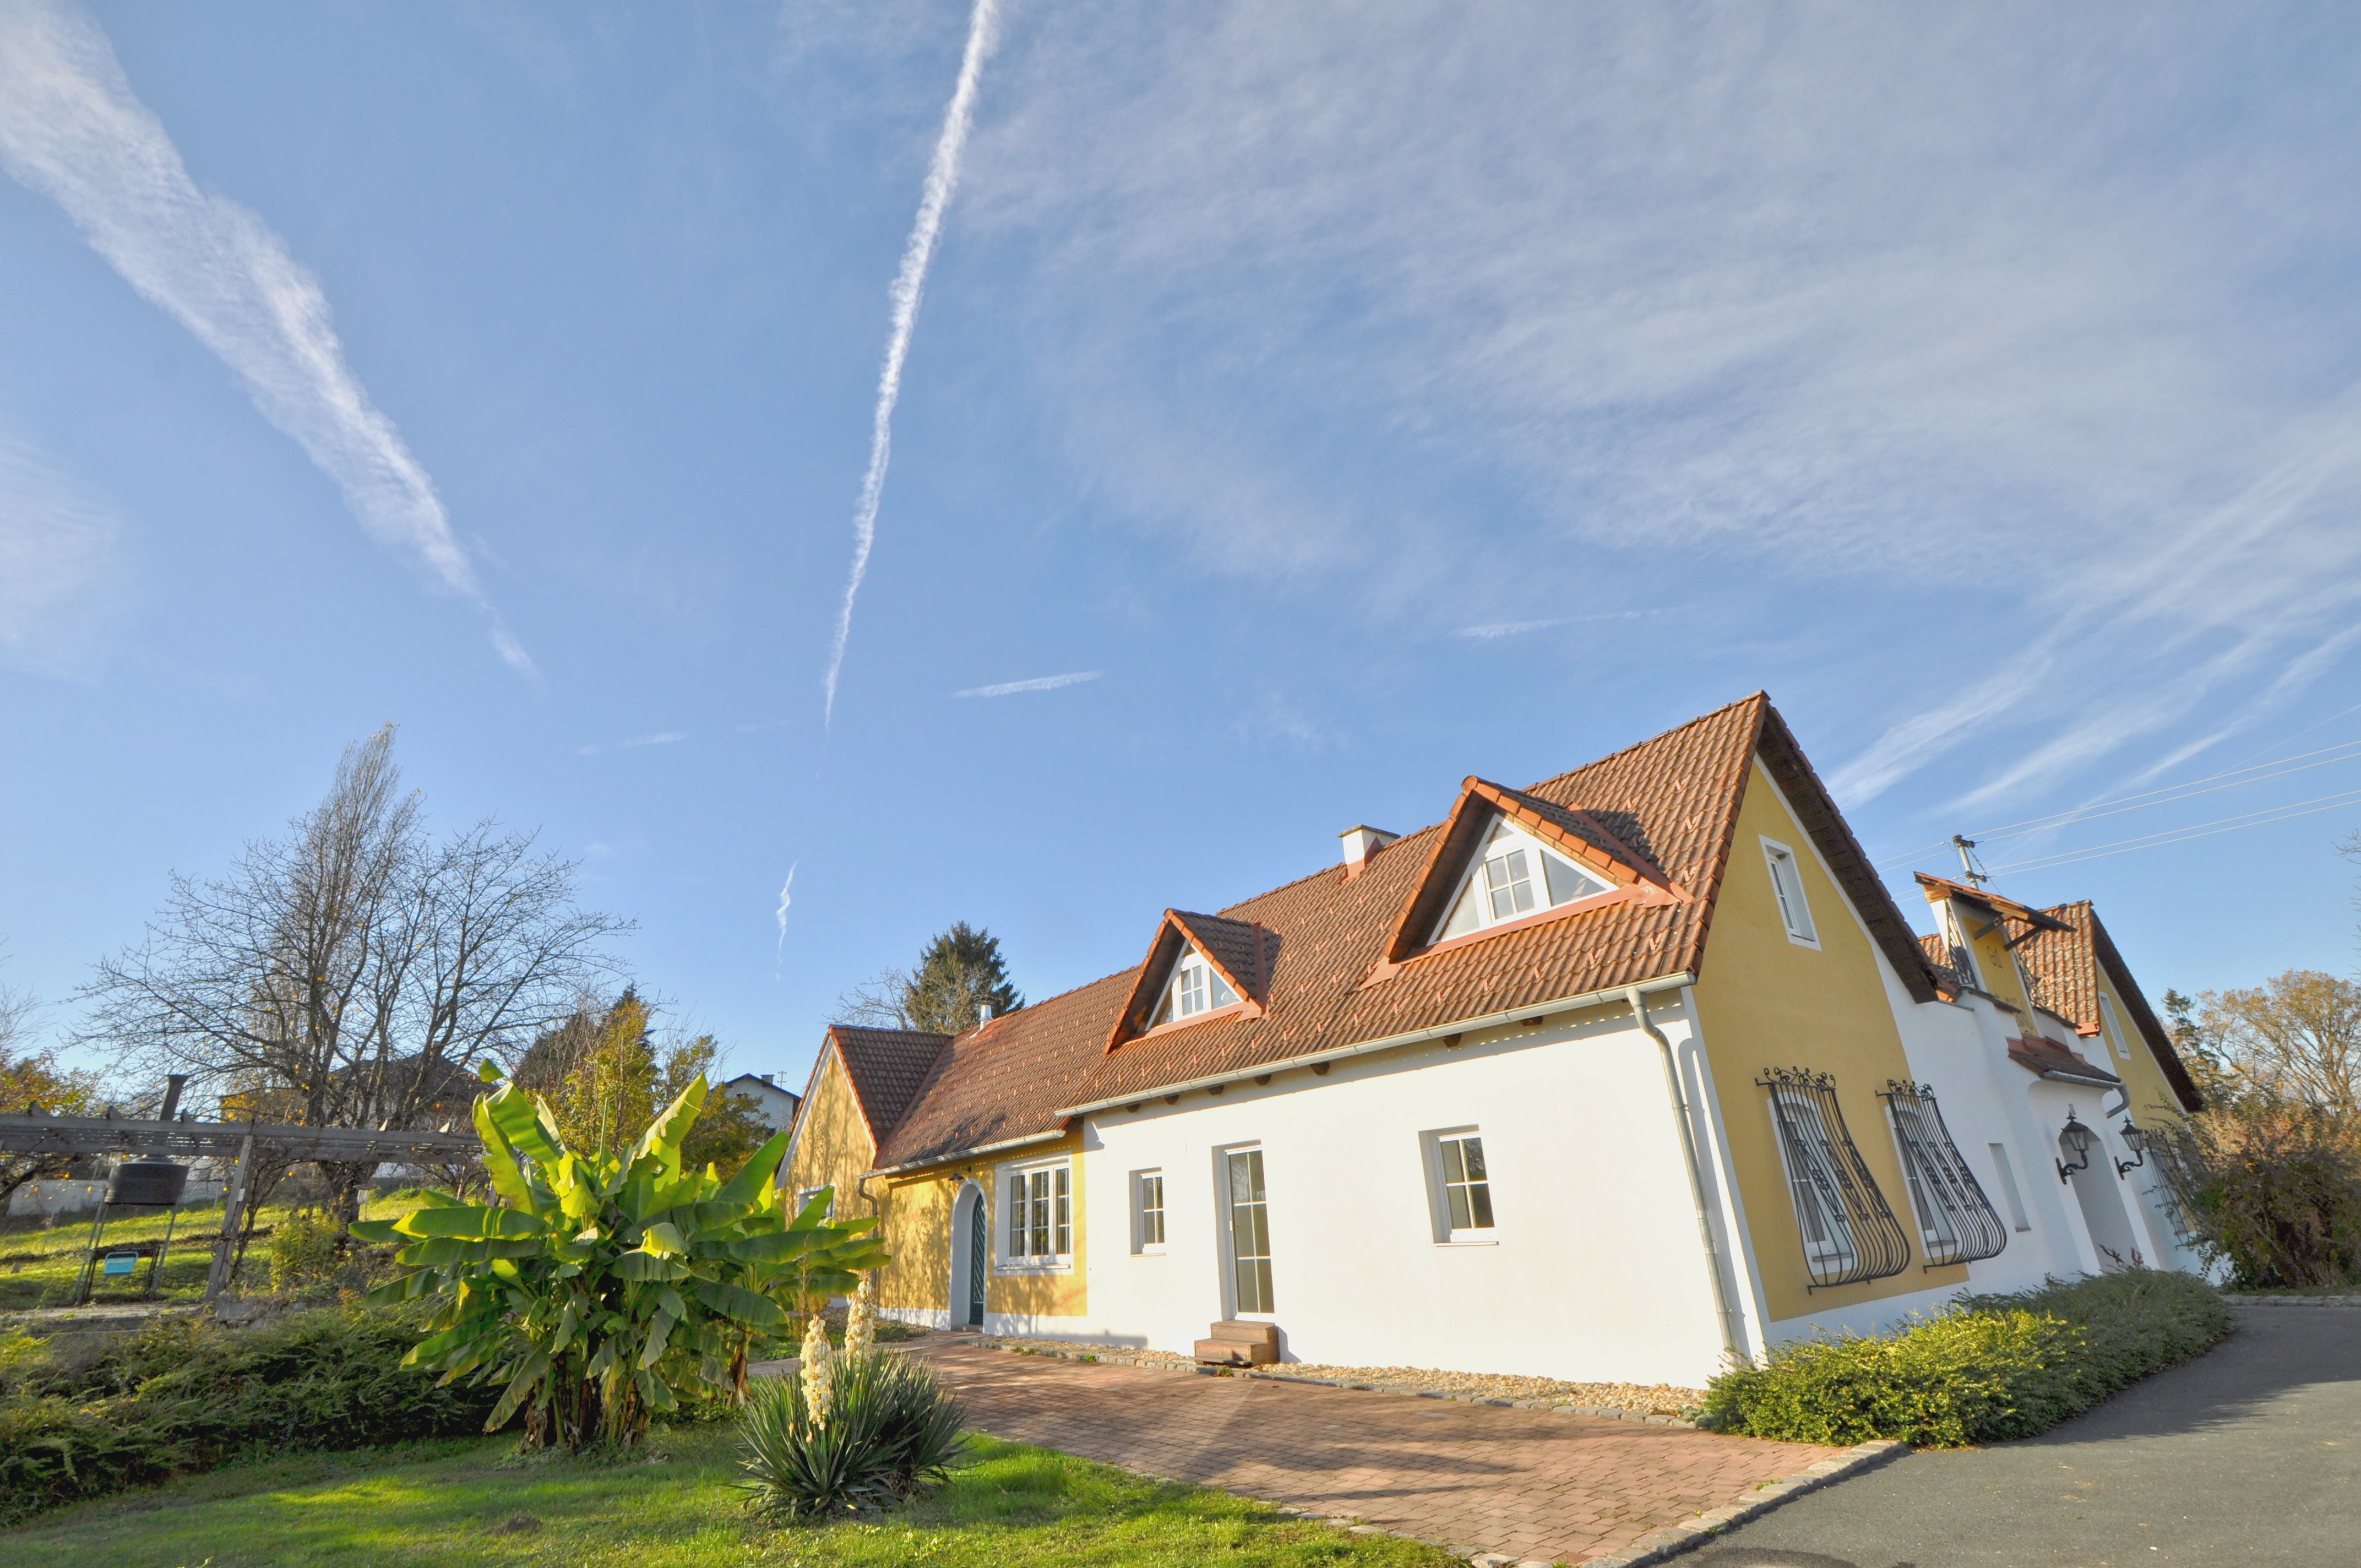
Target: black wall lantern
(2137,1141)
(2076,1137)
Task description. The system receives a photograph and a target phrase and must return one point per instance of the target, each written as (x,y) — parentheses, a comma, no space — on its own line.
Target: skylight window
(1195,987)
(1515,876)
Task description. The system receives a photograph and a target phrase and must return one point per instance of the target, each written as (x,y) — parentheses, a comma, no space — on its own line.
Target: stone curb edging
(1687,1537)
(2292,1300)
(1605,1412)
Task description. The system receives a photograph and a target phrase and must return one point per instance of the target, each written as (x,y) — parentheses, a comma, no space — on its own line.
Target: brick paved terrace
(1528,1484)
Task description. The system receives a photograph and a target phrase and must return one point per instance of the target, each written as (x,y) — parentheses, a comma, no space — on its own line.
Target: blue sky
(1359,399)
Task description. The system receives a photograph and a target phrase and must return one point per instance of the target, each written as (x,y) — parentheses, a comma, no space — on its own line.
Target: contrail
(943,175)
(784,899)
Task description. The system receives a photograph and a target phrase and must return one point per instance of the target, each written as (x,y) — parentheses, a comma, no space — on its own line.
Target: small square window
(1464,1185)
(1787,887)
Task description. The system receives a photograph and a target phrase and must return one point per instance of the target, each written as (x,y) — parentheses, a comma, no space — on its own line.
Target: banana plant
(600,1291)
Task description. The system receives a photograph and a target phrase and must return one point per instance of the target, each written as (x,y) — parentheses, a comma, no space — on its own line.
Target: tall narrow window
(1848,1232)
(1149,1186)
(1249,1233)
(2113,1025)
(1467,1188)
(2016,1214)
(1956,1221)
(1787,887)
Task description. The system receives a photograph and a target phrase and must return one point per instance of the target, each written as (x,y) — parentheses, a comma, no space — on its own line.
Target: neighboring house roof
(2067,958)
(1938,961)
(1667,808)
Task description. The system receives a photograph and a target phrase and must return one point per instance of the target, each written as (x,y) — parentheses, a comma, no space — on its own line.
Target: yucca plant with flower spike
(598,1290)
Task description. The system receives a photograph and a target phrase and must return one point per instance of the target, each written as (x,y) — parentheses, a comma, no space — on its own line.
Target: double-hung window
(1147,1210)
(1849,1233)
(1467,1186)
(1041,1209)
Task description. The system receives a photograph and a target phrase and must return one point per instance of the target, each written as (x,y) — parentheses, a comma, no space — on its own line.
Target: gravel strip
(1660,1399)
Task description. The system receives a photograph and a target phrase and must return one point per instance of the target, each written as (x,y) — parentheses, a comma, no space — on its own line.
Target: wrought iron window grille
(1957,1223)
(1849,1233)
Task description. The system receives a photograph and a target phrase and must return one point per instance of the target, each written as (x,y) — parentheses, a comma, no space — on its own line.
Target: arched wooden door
(979,1259)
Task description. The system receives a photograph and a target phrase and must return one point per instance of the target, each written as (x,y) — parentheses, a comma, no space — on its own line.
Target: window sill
(1148,1251)
(1025,1268)
(1469,1241)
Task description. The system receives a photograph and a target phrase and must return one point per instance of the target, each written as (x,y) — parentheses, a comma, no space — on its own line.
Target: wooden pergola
(184,1138)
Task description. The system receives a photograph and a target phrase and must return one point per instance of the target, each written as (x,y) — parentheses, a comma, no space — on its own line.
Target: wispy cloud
(909,283)
(72,129)
(1519,628)
(1039,684)
(787,897)
(58,545)
(664,737)
(1952,312)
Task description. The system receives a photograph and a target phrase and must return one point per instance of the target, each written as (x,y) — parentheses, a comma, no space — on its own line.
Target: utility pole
(1977,876)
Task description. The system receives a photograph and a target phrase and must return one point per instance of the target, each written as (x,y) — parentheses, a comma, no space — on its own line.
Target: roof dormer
(1199,967)
(1506,860)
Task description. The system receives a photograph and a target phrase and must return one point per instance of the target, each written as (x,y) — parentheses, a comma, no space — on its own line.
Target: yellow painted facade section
(916,1209)
(1997,963)
(2143,1075)
(1763,1001)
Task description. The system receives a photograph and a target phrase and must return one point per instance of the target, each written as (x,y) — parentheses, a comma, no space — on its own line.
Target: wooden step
(1236,1344)
(1234,1331)
(1230,1353)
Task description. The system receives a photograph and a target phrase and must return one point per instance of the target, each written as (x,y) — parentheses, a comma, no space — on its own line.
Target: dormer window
(1194,988)
(1513,876)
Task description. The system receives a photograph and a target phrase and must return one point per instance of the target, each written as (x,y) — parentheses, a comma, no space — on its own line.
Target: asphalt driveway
(2250,1455)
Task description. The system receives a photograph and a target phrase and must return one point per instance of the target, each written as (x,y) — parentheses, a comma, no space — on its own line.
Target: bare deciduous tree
(351,972)
(2297,1035)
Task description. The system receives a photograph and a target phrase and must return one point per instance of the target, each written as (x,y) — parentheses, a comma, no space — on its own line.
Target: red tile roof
(2068,964)
(887,1068)
(1670,803)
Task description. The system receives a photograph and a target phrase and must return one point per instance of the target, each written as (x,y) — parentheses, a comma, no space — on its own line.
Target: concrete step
(1232,1331)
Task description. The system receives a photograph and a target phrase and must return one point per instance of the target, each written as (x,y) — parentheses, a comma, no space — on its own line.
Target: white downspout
(1730,1344)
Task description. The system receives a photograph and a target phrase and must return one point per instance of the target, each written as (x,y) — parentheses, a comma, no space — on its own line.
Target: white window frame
(1193,964)
(2111,1022)
(1057,1221)
(1485,919)
(806,1194)
(1794,906)
(1438,1195)
(1228,1250)
(1142,1244)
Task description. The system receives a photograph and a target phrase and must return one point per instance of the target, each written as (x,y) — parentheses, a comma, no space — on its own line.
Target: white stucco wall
(1594,1270)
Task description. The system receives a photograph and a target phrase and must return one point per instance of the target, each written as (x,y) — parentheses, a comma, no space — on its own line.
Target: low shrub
(182,1395)
(890,1431)
(304,1253)
(1987,1369)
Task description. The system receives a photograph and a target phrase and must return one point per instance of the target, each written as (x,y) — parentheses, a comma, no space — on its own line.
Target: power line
(2196,831)
(2167,795)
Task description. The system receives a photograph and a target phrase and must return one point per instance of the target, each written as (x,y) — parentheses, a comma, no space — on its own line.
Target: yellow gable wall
(2151,1091)
(1765,1001)
(1996,960)
(916,1210)
(832,1141)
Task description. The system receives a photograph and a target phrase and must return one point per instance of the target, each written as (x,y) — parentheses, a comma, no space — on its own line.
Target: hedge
(182,1395)
(1987,1369)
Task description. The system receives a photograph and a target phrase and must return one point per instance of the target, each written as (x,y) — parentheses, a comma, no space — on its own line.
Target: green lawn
(37,1266)
(452,1503)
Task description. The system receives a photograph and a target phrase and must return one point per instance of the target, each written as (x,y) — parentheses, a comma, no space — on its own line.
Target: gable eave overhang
(2152,1030)
(1937,889)
(1172,935)
(1534,1010)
